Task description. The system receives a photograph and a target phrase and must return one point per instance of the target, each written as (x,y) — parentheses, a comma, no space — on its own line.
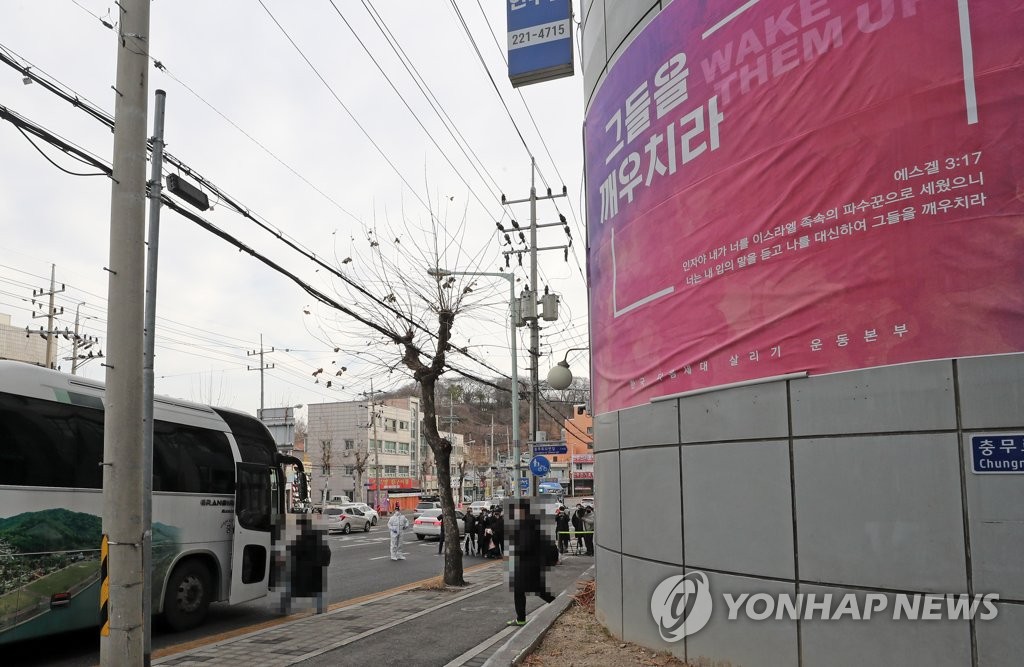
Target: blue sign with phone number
(539,40)
(997,453)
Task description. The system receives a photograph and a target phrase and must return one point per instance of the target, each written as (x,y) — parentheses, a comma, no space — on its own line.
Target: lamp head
(560,377)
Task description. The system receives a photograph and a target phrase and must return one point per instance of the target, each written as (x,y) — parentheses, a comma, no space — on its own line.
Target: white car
(369,512)
(587,501)
(478,506)
(428,524)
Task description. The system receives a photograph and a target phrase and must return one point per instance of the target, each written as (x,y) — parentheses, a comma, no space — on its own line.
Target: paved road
(359,566)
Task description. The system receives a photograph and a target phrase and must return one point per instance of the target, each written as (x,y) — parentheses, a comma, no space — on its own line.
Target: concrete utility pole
(51,311)
(376,443)
(80,342)
(262,367)
(148,373)
(122,635)
(528,304)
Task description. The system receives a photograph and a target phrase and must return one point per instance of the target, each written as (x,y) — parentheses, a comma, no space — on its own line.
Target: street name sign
(997,453)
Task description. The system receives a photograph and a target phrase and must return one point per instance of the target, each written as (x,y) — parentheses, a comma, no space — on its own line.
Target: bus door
(254,516)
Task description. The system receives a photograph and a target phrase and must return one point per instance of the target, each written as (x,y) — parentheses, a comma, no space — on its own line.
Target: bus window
(252,497)
(50,444)
(253,439)
(191,460)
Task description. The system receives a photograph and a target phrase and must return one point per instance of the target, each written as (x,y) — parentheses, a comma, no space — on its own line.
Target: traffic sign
(551,449)
(540,466)
(524,483)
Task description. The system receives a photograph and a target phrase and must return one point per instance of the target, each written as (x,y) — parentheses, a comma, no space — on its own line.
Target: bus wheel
(188,596)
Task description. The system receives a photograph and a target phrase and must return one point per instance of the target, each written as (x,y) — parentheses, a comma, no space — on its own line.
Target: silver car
(345,519)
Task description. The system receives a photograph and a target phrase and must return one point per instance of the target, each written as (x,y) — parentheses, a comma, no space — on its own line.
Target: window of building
(350,470)
(590,430)
(390,446)
(390,425)
(390,471)
(403,448)
(350,444)
(403,471)
(403,426)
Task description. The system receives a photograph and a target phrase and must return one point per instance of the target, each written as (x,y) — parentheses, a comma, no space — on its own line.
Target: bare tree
(362,456)
(301,431)
(386,288)
(325,468)
(425,465)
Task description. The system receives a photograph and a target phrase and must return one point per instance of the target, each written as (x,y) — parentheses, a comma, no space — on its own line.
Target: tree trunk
(442,449)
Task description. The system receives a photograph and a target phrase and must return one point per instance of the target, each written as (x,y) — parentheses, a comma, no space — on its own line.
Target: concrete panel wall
(774,488)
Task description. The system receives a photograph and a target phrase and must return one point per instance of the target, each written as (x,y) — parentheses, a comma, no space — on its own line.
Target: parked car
(587,501)
(425,505)
(550,487)
(345,519)
(428,524)
(478,506)
(369,512)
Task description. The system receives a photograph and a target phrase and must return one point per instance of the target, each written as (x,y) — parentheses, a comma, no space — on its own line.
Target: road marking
(481,647)
(379,557)
(238,633)
(388,626)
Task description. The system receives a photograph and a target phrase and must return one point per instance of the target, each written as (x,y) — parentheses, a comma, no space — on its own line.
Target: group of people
(532,550)
(485,534)
(582,521)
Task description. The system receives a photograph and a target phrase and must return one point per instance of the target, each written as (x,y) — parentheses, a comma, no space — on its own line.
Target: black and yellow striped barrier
(104,589)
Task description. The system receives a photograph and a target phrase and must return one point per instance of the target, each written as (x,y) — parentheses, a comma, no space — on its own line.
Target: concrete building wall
(14,344)
(849,482)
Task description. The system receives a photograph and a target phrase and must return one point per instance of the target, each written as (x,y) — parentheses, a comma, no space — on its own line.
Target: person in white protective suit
(396,524)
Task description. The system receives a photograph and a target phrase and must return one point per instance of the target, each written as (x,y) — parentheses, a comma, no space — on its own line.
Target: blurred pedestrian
(440,539)
(470,525)
(562,528)
(577,526)
(483,534)
(310,555)
(396,524)
(589,522)
(530,557)
(498,528)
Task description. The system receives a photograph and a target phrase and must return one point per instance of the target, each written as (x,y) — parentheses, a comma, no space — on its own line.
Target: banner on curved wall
(805,185)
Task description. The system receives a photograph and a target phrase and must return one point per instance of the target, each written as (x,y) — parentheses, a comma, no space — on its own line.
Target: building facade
(15,345)
(786,455)
(356,449)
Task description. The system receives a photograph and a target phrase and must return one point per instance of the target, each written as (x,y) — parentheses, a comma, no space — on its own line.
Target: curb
(522,643)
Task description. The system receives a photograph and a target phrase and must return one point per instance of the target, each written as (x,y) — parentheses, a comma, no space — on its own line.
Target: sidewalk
(402,625)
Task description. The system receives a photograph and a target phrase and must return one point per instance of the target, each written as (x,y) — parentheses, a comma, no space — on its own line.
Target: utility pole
(148,367)
(371,404)
(528,302)
(50,313)
(122,640)
(262,367)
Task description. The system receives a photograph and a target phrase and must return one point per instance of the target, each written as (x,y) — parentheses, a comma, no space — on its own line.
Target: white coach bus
(218,494)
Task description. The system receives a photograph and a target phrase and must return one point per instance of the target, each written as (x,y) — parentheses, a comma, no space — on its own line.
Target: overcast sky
(246,110)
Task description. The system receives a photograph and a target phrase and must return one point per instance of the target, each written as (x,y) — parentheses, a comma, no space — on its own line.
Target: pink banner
(810,185)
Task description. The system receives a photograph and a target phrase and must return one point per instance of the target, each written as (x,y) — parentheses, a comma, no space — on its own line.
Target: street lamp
(441,273)
(560,377)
